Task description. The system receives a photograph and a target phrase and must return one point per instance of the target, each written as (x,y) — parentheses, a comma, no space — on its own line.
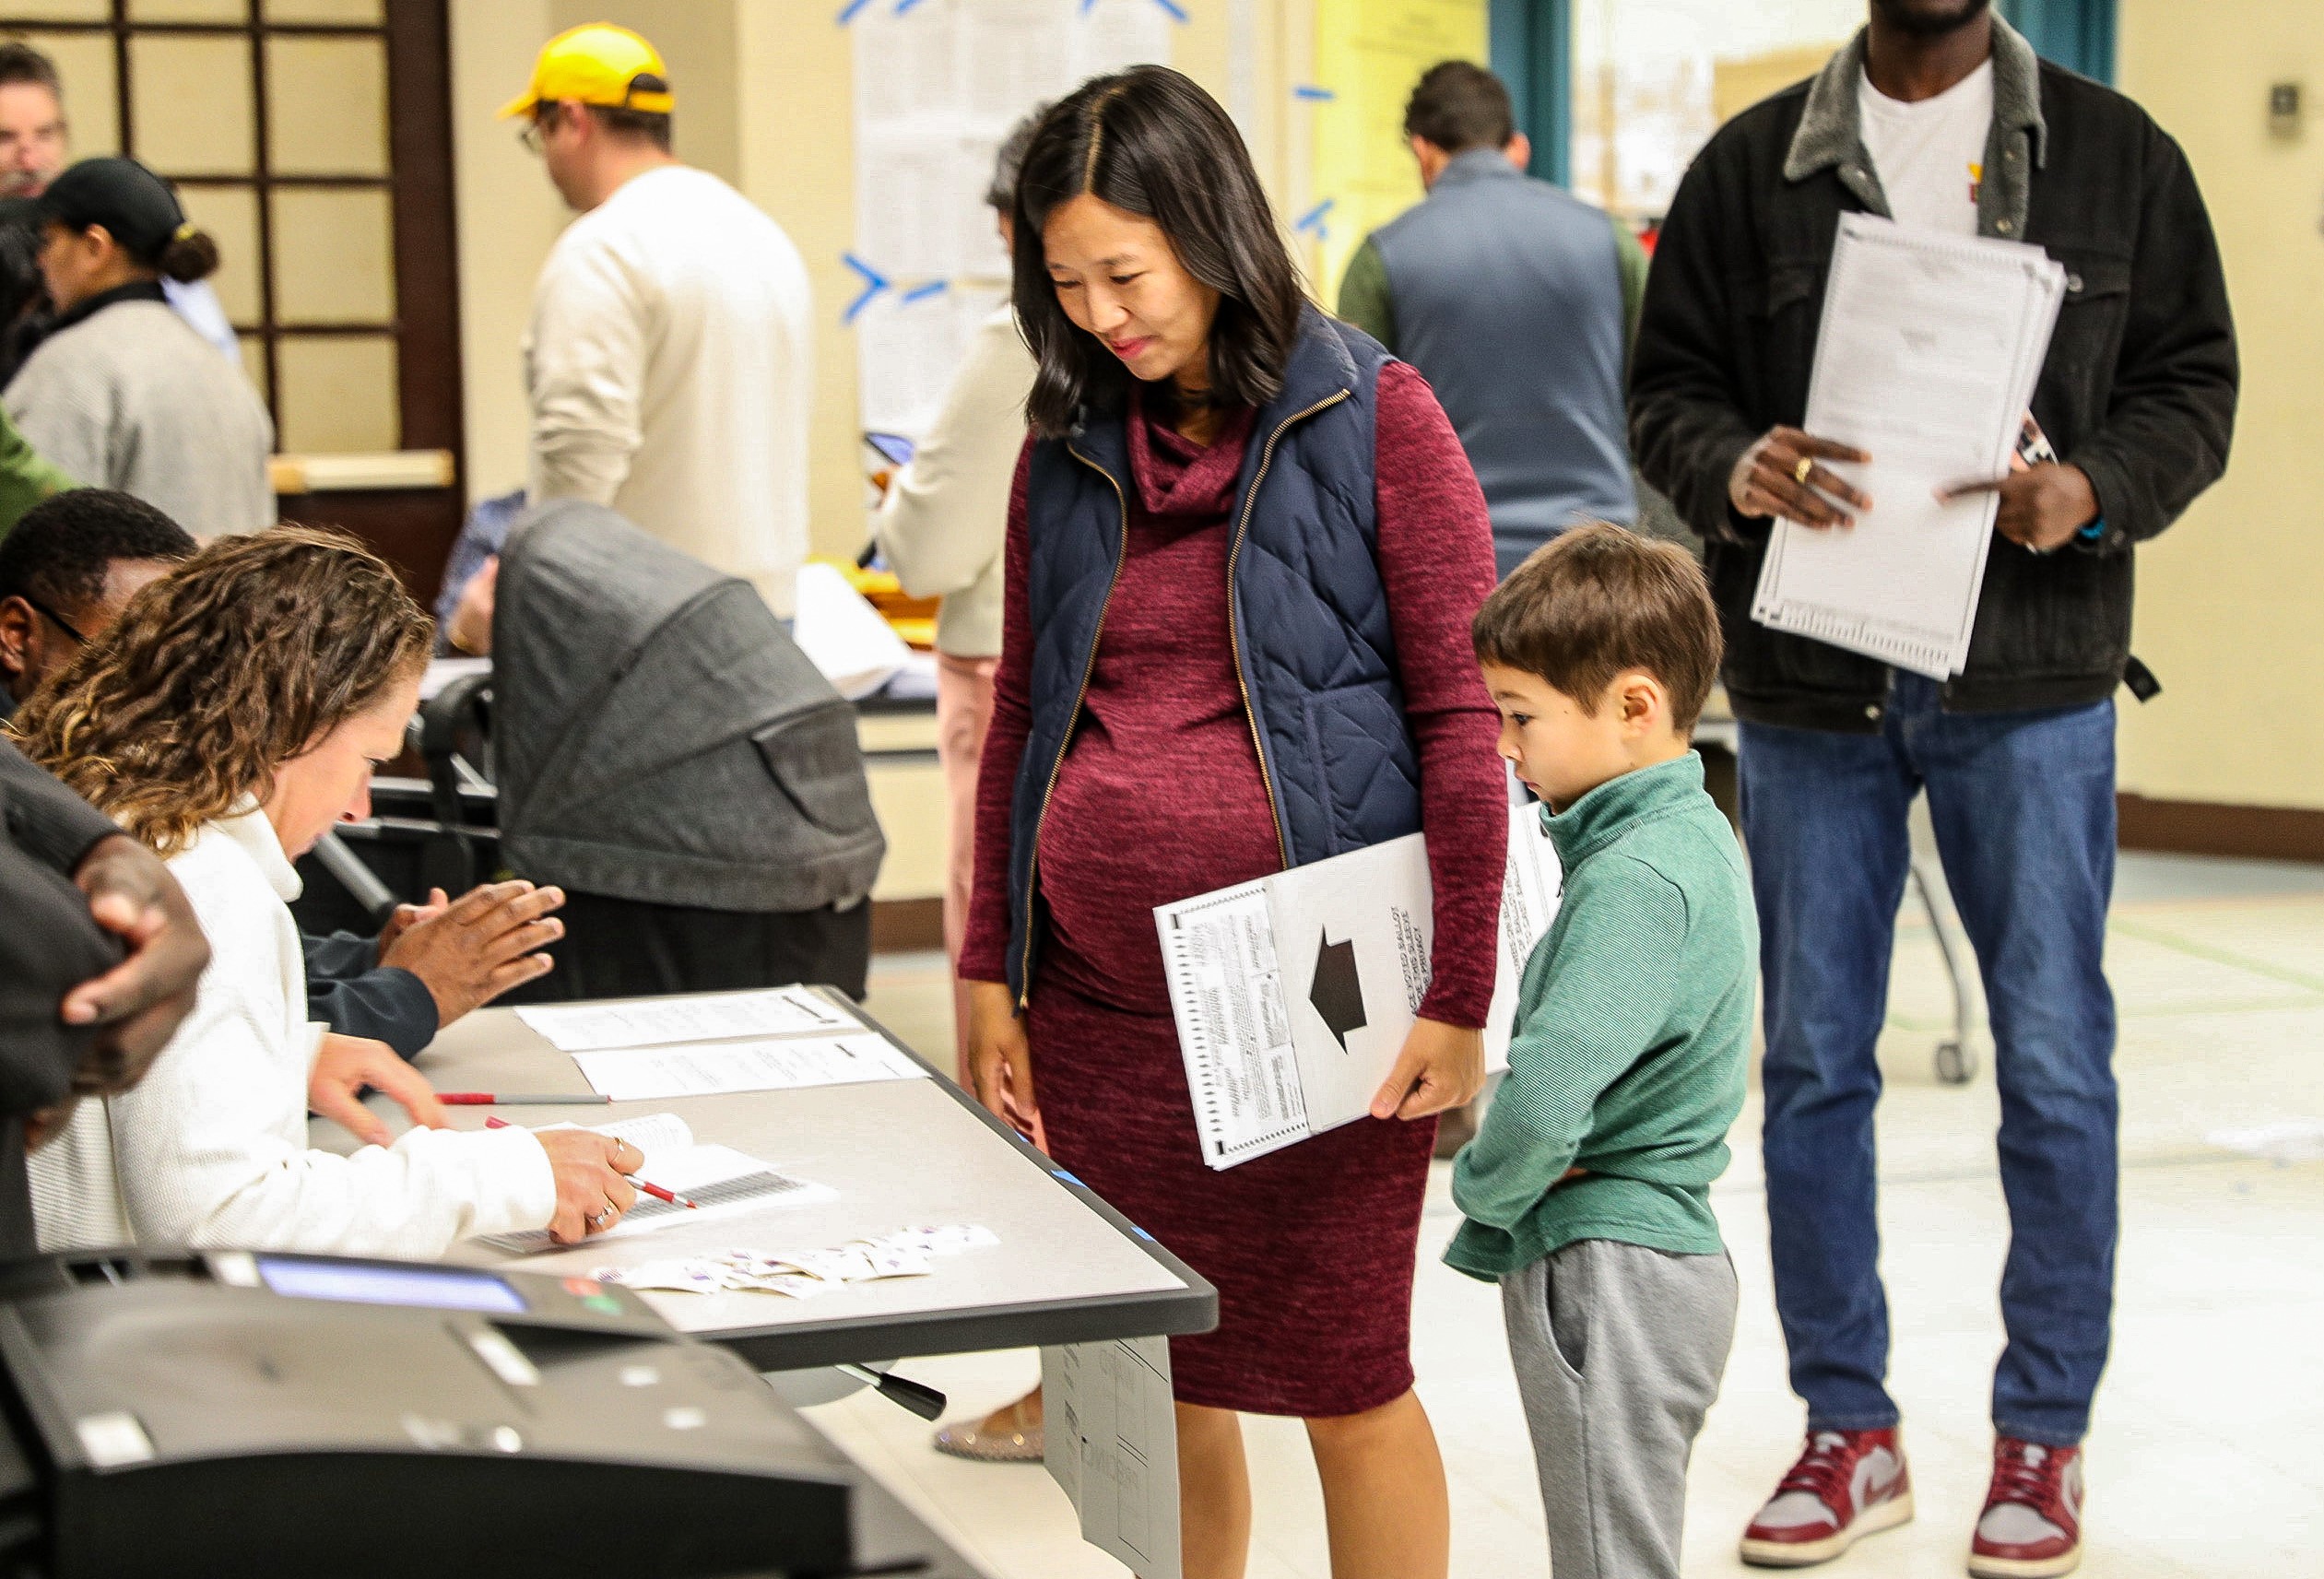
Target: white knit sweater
(211,1149)
(668,365)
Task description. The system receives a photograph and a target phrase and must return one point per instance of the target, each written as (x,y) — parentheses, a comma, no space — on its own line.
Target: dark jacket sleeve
(1687,428)
(355,995)
(2172,410)
(47,822)
(48,946)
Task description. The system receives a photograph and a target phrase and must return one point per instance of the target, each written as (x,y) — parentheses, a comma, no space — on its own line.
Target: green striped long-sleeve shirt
(1632,1029)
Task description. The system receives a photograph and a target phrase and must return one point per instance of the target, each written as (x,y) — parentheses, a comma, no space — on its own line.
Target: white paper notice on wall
(1113,1445)
(1294,994)
(940,83)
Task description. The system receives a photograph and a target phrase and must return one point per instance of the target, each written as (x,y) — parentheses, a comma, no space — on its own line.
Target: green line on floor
(2214,955)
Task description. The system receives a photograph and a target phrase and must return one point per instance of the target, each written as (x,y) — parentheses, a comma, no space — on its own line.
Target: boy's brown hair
(1597,601)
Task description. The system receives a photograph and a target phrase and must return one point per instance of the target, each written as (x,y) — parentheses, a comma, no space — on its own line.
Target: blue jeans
(2024,815)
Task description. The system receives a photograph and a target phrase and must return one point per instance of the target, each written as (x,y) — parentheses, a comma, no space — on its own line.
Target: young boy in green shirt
(1587,1189)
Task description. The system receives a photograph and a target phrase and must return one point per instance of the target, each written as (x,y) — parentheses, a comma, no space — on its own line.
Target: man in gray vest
(1516,300)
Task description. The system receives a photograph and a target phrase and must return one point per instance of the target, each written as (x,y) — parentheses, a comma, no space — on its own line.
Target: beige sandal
(969,1439)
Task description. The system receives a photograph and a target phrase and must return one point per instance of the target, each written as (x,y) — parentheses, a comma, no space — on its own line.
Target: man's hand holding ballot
(1778,476)
(2042,506)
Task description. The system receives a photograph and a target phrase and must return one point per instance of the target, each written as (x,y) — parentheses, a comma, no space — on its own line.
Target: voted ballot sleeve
(1294,994)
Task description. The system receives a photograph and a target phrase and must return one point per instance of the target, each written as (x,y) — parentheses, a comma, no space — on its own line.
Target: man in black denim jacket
(2138,398)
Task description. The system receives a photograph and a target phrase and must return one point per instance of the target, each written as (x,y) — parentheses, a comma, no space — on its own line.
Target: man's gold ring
(1799,473)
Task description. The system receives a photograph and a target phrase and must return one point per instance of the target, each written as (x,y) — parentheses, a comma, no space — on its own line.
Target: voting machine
(251,1414)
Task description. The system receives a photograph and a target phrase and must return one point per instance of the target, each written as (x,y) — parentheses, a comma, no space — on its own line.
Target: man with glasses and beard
(1938,115)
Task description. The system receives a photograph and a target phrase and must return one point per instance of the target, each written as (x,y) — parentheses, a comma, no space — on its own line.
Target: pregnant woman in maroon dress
(1243,549)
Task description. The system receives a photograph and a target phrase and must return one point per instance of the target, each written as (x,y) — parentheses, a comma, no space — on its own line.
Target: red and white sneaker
(2031,1524)
(1846,1484)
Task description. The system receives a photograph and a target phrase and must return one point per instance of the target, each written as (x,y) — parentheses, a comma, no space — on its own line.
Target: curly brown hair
(245,656)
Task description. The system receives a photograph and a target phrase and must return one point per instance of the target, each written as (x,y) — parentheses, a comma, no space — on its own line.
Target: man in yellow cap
(668,361)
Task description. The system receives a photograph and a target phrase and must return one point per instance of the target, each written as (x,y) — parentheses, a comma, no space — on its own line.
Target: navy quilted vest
(1310,616)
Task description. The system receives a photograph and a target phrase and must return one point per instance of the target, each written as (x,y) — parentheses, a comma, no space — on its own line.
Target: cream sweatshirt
(669,370)
(946,514)
(211,1147)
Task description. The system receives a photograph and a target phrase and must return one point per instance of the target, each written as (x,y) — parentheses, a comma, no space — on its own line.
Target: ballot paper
(1294,994)
(708,1016)
(711,1069)
(1113,1445)
(719,1179)
(1926,360)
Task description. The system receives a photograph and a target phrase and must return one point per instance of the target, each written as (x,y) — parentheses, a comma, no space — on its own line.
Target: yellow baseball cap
(597,64)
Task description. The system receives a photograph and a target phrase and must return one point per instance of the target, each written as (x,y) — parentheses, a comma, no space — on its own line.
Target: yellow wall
(2230,603)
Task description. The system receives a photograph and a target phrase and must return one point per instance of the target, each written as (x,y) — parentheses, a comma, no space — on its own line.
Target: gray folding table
(1068,1268)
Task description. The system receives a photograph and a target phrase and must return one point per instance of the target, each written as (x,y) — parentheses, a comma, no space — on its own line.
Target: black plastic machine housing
(255,1414)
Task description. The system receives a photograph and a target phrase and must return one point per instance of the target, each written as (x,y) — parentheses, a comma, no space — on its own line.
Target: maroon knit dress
(1161,798)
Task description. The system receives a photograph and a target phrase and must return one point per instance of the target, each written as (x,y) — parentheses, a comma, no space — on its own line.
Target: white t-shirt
(1930,155)
(669,366)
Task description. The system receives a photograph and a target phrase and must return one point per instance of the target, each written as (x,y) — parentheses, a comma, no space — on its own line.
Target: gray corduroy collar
(1831,134)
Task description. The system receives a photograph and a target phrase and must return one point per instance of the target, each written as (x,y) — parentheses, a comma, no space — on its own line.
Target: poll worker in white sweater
(228,721)
(669,360)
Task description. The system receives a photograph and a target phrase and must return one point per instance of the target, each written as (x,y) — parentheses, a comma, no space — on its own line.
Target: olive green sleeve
(1364,296)
(1631,259)
(25,478)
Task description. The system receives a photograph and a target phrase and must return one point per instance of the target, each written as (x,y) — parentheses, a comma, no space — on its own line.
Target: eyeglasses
(537,128)
(54,617)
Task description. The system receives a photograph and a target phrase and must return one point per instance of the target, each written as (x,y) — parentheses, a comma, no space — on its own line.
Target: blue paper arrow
(1313,94)
(1177,12)
(922,292)
(874,283)
(853,9)
(1314,219)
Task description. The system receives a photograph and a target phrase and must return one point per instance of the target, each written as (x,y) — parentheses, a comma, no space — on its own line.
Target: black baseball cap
(129,200)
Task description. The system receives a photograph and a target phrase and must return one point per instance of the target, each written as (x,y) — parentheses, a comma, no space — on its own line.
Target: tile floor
(2207,1457)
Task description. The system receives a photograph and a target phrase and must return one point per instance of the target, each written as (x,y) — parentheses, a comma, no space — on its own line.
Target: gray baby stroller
(668,755)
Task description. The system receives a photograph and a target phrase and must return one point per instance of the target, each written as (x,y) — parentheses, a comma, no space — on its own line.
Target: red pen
(656,1191)
(514,1099)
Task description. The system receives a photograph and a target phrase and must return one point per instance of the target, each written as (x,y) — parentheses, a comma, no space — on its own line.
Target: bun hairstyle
(137,209)
(189,255)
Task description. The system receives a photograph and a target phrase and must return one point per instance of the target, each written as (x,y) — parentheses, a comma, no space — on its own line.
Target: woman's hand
(999,1057)
(1442,1067)
(344,1065)
(592,1192)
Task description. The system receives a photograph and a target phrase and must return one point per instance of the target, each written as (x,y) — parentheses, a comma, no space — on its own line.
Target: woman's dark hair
(1150,143)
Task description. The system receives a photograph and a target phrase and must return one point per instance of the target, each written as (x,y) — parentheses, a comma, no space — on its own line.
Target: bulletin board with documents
(939,86)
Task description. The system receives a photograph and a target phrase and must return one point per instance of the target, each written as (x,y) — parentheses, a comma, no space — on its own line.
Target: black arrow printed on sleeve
(1337,994)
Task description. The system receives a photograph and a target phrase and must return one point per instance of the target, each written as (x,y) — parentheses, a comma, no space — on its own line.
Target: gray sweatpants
(1618,1350)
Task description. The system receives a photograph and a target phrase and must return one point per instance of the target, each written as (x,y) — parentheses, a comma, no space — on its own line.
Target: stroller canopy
(658,736)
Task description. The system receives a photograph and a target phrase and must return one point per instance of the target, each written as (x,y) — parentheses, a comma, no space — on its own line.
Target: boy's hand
(1442,1067)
